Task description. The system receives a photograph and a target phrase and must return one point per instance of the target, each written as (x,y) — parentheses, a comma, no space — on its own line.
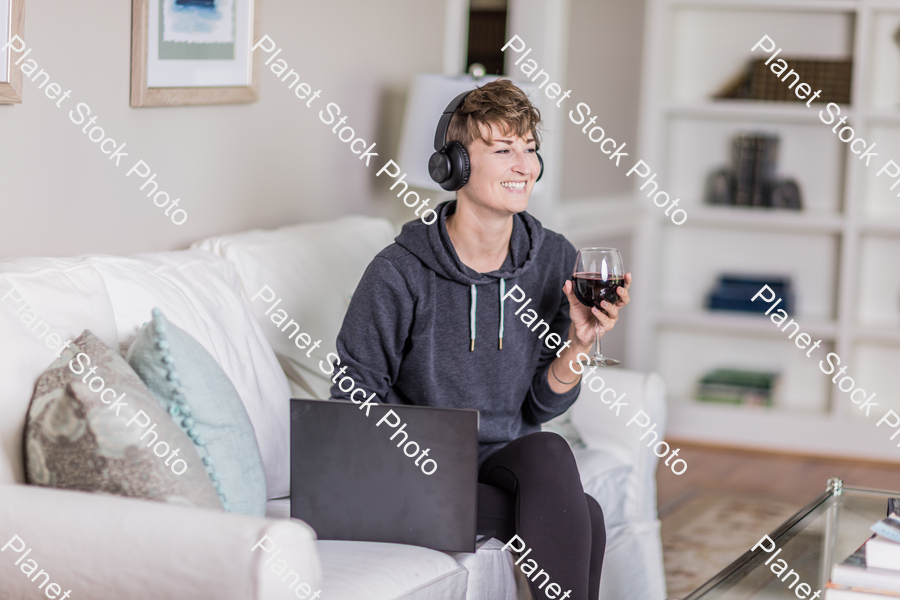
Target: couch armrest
(601,429)
(108,547)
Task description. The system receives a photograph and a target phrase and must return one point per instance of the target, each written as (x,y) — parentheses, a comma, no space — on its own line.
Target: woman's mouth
(514,186)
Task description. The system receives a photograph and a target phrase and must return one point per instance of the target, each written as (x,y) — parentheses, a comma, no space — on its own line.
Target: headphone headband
(440,135)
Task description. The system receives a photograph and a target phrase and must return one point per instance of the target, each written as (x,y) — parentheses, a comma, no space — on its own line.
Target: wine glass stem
(596,349)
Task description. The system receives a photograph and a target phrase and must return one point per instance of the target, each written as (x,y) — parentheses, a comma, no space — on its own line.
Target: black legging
(541,500)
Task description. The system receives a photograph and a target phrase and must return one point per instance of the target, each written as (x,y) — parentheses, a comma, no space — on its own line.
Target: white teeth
(514,185)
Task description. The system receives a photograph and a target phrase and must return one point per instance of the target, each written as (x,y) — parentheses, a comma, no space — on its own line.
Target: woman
(419,331)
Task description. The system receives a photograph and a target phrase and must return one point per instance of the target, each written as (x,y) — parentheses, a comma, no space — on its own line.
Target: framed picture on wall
(12,23)
(193,52)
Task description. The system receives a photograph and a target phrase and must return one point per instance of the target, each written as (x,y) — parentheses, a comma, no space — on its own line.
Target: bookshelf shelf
(731,411)
(842,251)
(885,226)
(777,430)
(764,219)
(736,323)
(883,117)
(768,5)
(749,110)
(889,334)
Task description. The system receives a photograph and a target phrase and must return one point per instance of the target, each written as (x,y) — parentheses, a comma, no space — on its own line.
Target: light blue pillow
(197,393)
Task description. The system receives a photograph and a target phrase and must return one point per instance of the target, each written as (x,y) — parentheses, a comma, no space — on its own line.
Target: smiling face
(503,173)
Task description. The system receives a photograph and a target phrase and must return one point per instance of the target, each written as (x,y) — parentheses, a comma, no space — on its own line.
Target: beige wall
(271,162)
(234,167)
(604,71)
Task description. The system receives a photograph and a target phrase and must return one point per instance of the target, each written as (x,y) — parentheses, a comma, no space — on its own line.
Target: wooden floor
(793,478)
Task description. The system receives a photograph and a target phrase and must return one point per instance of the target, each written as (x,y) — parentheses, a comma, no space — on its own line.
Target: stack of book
(873,571)
(735,292)
(750,179)
(735,386)
(753,157)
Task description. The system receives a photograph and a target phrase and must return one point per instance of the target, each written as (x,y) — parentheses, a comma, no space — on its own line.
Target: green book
(735,386)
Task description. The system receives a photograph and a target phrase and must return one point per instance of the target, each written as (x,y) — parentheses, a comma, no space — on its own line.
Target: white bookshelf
(842,251)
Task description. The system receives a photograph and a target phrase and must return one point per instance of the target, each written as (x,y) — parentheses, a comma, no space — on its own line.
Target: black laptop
(350,481)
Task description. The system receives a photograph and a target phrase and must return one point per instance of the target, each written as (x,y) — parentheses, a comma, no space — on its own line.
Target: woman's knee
(598,521)
(595,507)
(541,458)
(546,445)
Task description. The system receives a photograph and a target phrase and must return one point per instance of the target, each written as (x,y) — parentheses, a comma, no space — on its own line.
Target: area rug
(708,530)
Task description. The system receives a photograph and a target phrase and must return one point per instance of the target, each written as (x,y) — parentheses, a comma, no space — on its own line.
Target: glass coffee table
(822,534)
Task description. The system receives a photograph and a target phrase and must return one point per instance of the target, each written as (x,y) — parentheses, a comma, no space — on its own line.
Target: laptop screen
(402,474)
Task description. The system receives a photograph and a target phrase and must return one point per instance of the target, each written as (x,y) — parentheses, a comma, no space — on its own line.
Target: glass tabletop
(821,534)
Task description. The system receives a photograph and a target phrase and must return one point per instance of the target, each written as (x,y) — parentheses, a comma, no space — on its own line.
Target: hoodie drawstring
(502,293)
(472,319)
(472,315)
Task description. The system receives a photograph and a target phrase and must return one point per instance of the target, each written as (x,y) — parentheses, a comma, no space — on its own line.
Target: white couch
(107,548)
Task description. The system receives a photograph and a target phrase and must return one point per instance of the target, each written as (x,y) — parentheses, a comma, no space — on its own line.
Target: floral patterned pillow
(94,426)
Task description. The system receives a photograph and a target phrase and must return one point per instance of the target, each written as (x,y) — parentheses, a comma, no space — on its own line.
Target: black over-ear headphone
(449,165)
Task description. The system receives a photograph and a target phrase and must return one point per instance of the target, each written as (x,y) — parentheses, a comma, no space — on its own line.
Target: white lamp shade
(428,97)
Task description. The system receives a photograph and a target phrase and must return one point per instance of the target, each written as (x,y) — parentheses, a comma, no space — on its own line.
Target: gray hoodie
(409,328)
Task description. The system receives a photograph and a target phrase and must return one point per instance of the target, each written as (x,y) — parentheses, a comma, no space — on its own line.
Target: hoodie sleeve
(375,329)
(542,403)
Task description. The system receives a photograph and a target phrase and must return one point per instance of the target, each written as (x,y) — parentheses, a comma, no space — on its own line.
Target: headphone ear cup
(439,167)
(540,160)
(460,168)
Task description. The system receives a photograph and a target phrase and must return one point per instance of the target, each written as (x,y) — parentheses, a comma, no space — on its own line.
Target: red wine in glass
(597,274)
(591,289)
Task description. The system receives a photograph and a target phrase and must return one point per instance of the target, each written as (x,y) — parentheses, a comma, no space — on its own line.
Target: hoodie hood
(431,244)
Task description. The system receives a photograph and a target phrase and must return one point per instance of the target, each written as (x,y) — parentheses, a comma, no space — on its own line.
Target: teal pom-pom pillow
(196,392)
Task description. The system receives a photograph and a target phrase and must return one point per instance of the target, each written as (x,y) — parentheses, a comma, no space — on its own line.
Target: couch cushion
(192,387)
(377,571)
(43,304)
(492,572)
(75,439)
(313,268)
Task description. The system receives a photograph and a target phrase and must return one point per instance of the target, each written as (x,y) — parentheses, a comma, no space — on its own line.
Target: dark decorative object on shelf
(758,82)
(734,292)
(750,181)
(720,187)
(785,194)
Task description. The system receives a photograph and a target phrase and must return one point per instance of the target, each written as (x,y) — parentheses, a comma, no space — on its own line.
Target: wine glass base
(600,361)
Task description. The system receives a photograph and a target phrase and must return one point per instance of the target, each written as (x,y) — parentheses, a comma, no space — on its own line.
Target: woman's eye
(504,151)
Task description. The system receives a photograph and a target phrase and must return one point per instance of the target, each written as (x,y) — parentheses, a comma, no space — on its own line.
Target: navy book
(735,293)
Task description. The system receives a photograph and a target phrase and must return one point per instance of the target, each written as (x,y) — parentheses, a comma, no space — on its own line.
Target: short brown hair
(499,103)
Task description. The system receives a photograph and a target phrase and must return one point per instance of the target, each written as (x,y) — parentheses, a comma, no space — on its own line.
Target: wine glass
(597,274)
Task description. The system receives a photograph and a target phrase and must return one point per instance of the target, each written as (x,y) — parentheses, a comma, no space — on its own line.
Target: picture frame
(187,52)
(12,23)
